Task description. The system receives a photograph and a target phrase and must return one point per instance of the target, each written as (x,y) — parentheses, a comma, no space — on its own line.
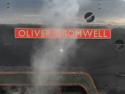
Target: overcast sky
(31,9)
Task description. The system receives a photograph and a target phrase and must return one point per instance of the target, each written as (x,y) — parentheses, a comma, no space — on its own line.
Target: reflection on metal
(119,74)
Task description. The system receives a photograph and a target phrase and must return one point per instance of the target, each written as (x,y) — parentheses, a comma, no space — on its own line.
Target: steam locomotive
(96,67)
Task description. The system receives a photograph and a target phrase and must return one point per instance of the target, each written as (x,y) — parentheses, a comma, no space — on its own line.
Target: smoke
(51,56)
(49,59)
(59,12)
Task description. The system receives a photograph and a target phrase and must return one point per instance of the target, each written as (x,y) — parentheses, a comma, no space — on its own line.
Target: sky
(12,11)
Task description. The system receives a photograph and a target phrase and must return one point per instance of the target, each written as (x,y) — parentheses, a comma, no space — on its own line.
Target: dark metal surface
(102,59)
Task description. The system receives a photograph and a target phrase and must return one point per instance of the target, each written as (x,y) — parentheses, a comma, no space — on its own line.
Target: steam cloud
(59,11)
(51,56)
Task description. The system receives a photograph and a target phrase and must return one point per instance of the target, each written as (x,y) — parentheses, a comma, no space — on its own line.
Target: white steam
(60,11)
(51,56)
